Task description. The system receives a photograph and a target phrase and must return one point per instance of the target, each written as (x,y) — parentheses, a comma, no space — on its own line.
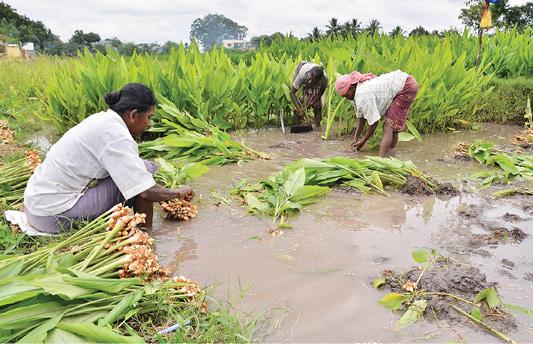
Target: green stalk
(493,331)
(450,295)
(96,250)
(113,265)
(105,261)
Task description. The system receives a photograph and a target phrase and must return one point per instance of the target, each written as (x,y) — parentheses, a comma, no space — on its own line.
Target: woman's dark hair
(133,96)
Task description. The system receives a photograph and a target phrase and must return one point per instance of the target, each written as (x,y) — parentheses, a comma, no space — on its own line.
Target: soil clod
(447,189)
(498,235)
(512,217)
(416,187)
(507,263)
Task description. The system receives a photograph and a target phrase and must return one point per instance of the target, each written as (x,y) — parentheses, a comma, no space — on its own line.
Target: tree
(3,39)
(127,49)
(315,34)
(373,27)
(267,40)
(471,15)
(419,31)
(213,28)
(355,27)
(519,16)
(22,29)
(450,31)
(167,47)
(397,31)
(333,27)
(149,48)
(112,42)
(351,28)
(85,39)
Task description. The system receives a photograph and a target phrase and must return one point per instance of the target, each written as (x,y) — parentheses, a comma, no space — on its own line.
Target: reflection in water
(186,252)
(321,269)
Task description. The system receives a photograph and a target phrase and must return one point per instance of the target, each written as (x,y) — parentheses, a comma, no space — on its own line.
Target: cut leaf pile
(306,180)
(512,166)
(188,139)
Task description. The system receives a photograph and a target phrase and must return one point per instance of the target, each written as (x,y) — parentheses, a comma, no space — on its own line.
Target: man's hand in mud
(357,145)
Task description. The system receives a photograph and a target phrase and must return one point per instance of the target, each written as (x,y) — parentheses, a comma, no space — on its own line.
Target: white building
(28,50)
(236,44)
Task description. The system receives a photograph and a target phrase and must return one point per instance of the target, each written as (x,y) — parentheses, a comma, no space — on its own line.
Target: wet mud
(446,278)
(311,284)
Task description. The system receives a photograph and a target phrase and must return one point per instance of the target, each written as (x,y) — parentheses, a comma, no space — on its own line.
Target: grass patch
(21,84)
(507,101)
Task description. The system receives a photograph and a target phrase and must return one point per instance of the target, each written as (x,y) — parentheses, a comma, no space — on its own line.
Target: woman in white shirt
(96,165)
(373,97)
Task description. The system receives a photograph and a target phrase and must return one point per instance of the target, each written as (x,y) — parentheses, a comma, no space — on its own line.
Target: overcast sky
(163,20)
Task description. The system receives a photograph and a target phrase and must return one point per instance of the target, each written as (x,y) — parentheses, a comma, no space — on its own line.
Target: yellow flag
(486,19)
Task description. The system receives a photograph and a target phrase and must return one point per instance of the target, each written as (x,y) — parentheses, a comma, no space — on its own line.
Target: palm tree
(397,31)
(346,29)
(352,27)
(373,27)
(355,26)
(315,34)
(419,31)
(333,27)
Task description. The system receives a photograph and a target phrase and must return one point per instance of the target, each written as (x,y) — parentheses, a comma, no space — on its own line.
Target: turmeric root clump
(178,209)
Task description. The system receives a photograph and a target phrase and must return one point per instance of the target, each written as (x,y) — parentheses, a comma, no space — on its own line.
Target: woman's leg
(45,224)
(386,141)
(99,199)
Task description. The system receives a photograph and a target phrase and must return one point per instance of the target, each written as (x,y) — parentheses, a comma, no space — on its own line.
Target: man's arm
(369,134)
(359,129)
(295,100)
(157,193)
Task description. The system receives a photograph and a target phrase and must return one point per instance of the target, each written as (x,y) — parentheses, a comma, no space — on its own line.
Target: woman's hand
(186,193)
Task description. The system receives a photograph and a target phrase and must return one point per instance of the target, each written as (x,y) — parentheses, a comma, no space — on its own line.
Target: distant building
(13,50)
(236,44)
(27,50)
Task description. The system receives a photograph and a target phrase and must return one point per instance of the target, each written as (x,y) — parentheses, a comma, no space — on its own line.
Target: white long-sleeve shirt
(100,146)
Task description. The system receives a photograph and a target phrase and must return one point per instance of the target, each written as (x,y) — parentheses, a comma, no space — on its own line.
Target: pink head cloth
(343,83)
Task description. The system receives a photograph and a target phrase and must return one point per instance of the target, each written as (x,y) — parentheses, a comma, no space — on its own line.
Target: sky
(163,20)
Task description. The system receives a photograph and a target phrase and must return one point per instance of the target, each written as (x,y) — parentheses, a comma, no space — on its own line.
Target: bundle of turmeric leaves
(188,139)
(306,180)
(512,166)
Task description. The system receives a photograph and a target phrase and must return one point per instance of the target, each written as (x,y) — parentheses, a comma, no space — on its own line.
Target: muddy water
(313,281)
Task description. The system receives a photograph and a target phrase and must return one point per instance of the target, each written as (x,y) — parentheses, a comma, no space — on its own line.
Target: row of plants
(255,93)
(104,284)
(306,180)
(506,53)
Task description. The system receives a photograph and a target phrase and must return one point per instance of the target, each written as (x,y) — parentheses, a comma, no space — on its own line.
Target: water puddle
(319,273)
